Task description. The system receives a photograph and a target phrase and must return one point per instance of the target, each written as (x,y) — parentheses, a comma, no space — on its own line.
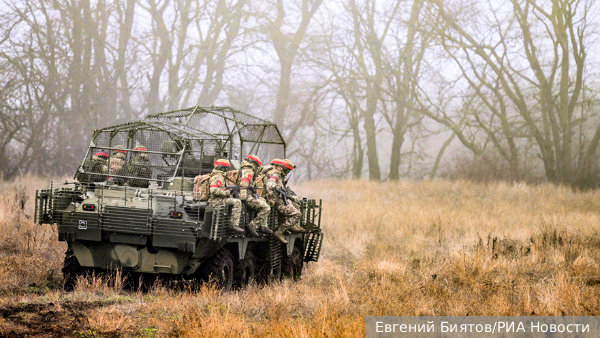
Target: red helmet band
(101,154)
(223,164)
(254,159)
(283,164)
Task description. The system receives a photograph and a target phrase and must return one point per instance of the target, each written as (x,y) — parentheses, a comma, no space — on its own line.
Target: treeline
(376,89)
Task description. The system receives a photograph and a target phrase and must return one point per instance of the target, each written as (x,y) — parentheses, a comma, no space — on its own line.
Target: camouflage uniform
(219,196)
(254,201)
(291,215)
(139,166)
(118,161)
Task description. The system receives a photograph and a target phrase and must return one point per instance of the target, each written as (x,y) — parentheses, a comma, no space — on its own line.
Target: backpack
(201,188)
(260,180)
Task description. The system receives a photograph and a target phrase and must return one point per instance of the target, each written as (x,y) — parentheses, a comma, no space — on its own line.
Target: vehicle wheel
(291,266)
(71,269)
(219,269)
(130,281)
(244,270)
(276,275)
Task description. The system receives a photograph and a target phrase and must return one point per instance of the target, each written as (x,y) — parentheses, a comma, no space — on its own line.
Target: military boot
(252,230)
(236,229)
(295,229)
(279,236)
(265,230)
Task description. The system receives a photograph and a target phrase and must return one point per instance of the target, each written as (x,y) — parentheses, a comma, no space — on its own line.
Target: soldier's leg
(261,219)
(279,206)
(236,210)
(291,216)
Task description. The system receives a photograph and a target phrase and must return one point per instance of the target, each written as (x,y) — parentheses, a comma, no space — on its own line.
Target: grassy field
(407,248)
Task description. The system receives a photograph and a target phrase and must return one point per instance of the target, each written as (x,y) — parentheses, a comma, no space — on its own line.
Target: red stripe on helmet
(141,149)
(226,164)
(282,163)
(254,159)
(101,154)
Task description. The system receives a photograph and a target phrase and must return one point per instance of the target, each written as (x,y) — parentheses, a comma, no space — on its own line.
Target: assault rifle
(236,190)
(285,193)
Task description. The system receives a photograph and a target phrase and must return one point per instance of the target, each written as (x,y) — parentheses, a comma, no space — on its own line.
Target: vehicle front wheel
(219,269)
(71,269)
(245,270)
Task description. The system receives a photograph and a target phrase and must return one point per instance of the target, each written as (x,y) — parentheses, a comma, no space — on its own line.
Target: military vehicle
(136,212)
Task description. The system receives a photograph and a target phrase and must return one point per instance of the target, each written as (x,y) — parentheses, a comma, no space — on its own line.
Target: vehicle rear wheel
(245,270)
(219,269)
(292,265)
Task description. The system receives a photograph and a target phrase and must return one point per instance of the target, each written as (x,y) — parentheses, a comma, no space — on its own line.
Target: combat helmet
(222,164)
(253,159)
(100,156)
(119,152)
(141,153)
(286,165)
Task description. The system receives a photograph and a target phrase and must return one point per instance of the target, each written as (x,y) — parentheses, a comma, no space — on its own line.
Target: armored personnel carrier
(132,206)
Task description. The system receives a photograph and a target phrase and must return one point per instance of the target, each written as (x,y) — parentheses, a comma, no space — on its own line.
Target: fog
(379,90)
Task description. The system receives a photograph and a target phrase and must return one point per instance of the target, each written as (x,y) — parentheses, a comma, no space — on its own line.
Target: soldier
(97,165)
(284,206)
(117,162)
(220,196)
(139,166)
(248,172)
(100,166)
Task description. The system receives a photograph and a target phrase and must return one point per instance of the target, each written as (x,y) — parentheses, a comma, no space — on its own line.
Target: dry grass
(407,248)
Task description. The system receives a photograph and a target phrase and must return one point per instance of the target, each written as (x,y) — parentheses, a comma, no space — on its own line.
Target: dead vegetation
(406,248)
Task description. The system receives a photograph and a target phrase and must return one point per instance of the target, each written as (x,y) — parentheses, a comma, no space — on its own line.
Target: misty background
(381,90)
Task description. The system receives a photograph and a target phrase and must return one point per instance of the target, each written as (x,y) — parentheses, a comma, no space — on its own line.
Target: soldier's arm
(246,178)
(244,183)
(215,187)
(271,184)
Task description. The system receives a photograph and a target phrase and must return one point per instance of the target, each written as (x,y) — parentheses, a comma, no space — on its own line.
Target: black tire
(244,270)
(276,275)
(71,270)
(291,266)
(219,270)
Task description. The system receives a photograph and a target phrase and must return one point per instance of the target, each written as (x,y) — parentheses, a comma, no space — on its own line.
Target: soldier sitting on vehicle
(249,193)
(283,204)
(139,167)
(118,167)
(91,168)
(219,196)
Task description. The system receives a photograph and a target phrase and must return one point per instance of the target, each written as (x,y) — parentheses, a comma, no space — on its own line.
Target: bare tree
(189,45)
(287,47)
(403,81)
(536,101)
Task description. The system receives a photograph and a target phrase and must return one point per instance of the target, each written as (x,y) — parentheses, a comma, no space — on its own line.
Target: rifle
(235,189)
(285,193)
(254,191)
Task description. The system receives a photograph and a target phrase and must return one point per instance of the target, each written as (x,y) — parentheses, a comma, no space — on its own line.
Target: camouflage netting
(179,143)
